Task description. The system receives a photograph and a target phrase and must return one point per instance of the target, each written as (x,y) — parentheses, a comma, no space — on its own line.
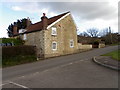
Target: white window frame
(24,37)
(71,45)
(54,31)
(52,45)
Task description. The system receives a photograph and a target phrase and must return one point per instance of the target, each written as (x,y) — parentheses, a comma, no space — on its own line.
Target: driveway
(72,71)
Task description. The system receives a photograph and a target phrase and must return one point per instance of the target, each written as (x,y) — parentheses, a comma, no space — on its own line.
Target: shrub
(11,61)
(14,55)
(16,41)
(96,42)
(11,51)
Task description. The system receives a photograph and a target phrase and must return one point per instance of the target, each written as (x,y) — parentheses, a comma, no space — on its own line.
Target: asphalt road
(71,71)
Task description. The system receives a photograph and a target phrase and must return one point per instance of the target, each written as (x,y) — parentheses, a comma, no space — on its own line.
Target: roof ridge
(59,14)
(53,17)
(38,25)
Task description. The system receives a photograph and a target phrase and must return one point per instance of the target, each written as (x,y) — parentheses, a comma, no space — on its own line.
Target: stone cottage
(53,36)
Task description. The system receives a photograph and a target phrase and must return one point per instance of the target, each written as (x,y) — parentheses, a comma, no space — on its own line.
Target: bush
(96,42)
(11,61)
(14,55)
(11,51)
(16,41)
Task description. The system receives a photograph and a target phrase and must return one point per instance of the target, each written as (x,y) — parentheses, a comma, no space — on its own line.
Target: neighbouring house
(53,36)
(90,42)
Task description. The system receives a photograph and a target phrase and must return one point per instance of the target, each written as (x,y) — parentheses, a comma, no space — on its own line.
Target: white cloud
(98,23)
(55,0)
(3,32)
(87,13)
(16,8)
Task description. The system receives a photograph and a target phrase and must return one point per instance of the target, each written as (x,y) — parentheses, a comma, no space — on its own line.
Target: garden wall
(84,46)
(101,45)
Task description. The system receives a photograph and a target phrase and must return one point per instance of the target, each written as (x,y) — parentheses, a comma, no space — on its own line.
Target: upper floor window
(71,43)
(54,31)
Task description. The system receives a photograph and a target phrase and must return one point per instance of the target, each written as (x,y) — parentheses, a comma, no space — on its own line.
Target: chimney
(44,20)
(15,29)
(28,21)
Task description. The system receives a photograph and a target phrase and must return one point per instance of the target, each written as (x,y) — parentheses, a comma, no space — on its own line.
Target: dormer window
(54,31)
(22,30)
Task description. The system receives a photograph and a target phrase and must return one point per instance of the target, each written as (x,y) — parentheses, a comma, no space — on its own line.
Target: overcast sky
(85,14)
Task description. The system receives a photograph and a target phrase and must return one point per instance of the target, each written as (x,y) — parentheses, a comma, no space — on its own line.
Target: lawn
(11,61)
(114,54)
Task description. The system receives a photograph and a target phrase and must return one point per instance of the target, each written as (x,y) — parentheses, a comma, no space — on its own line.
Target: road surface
(71,71)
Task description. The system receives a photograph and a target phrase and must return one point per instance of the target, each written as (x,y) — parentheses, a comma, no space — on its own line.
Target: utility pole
(110,34)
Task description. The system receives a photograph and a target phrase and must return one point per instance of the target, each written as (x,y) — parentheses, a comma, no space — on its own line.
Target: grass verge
(114,54)
(11,61)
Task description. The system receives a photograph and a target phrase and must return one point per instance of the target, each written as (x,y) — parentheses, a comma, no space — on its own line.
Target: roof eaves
(58,20)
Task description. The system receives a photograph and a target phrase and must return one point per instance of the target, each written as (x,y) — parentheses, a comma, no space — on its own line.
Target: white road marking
(10,82)
(36,73)
(85,60)
(61,66)
(46,70)
(70,63)
(22,76)
(18,85)
(4,84)
(81,60)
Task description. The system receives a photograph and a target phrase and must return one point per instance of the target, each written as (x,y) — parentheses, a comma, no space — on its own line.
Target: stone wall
(36,39)
(101,45)
(66,31)
(85,46)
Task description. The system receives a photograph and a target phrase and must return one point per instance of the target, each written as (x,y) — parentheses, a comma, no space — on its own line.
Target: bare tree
(85,34)
(103,32)
(93,32)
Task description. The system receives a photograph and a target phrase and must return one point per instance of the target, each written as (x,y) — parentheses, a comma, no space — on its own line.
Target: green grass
(11,61)
(115,44)
(114,54)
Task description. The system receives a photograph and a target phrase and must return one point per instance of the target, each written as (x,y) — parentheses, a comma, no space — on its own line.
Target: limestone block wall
(84,47)
(66,31)
(101,45)
(36,39)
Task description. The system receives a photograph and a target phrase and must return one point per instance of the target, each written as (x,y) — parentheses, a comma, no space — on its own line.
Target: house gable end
(58,20)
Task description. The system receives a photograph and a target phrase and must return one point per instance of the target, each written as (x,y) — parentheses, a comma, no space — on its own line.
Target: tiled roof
(38,26)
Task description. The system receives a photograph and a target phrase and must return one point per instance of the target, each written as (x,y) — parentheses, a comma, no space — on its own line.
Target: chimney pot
(44,21)
(43,14)
(28,21)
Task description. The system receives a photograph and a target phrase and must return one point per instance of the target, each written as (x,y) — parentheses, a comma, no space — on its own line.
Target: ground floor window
(71,43)
(54,45)
(24,37)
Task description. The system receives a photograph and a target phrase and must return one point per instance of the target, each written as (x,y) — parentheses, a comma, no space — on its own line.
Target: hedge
(14,55)
(11,61)
(12,51)
(16,41)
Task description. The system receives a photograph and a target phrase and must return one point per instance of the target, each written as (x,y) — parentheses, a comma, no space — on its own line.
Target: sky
(87,14)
